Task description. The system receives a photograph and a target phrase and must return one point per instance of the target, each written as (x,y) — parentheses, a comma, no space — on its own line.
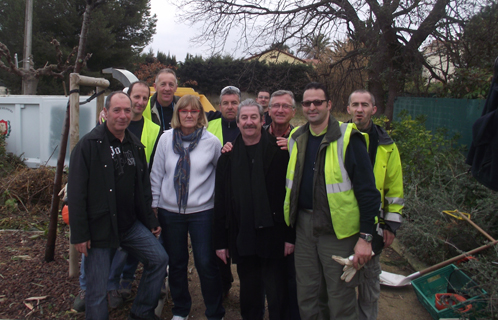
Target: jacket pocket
(100,226)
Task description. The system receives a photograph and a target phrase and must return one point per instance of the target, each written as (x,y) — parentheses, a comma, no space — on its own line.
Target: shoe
(178,318)
(79,302)
(133,316)
(125,286)
(114,299)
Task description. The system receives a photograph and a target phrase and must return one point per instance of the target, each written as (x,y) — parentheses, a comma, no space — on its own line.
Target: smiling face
(250,123)
(139,98)
(316,114)
(165,87)
(281,110)
(119,114)
(228,106)
(362,109)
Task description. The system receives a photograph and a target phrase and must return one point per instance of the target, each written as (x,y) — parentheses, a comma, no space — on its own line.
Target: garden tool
(397,280)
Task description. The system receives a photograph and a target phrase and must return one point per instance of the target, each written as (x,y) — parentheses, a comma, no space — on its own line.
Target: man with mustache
(249,223)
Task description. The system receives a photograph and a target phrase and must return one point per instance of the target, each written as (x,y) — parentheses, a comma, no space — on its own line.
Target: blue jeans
(123,266)
(122,263)
(176,228)
(141,243)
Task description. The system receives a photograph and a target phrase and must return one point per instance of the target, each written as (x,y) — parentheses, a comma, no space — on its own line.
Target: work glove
(349,270)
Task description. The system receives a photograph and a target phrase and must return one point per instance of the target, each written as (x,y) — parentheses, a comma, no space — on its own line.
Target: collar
(229,124)
(286,133)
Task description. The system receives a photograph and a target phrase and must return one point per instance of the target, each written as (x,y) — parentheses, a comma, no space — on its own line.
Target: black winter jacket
(270,242)
(91,190)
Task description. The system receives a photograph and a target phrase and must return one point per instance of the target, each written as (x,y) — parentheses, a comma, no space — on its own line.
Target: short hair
(250,103)
(372,98)
(107,104)
(263,90)
(166,70)
(229,90)
(318,86)
(195,103)
(130,88)
(280,93)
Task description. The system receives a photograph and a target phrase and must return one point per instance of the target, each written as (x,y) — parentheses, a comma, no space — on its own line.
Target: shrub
(436,178)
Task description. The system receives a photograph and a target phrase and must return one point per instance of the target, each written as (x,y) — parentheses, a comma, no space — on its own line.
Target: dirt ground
(33,289)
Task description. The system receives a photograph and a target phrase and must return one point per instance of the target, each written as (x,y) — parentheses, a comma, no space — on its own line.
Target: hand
(223,255)
(289,249)
(102,116)
(388,238)
(156,231)
(362,253)
(282,143)
(227,147)
(82,247)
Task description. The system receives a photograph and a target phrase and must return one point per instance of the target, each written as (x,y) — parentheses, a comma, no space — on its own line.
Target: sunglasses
(316,103)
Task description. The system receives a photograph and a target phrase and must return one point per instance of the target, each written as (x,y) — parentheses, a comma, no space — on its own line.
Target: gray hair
(229,90)
(166,70)
(250,103)
(107,104)
(372,98)
(280,93)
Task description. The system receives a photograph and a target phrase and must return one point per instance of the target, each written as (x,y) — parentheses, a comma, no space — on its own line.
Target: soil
(31,288)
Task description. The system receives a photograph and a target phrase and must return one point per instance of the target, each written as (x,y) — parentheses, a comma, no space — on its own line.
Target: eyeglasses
(184,112)
(316,103)
(230,88)
(283,106)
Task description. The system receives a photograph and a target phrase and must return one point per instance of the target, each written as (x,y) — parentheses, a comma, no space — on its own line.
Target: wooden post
(74,135)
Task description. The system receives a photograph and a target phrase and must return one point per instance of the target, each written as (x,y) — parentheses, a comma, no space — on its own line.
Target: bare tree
(390,33)
(56,70)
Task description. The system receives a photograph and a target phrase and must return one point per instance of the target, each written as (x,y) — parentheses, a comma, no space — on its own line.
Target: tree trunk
(83,35)
(54,207)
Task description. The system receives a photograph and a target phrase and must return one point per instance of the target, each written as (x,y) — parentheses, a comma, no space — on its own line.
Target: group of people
(275,200)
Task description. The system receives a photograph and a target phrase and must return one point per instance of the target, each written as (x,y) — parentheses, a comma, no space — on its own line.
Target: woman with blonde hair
(182,181)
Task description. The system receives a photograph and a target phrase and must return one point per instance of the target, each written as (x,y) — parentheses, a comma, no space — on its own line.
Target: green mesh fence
(457,115)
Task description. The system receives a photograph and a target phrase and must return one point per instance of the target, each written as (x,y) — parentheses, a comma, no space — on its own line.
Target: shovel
(397,280)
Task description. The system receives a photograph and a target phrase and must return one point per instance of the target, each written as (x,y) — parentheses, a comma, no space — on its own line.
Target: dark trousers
(257,277)
(226,274)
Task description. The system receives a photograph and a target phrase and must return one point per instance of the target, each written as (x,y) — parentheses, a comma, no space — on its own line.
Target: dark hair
(264,90)
(107,104)
(318,86)
(130,88)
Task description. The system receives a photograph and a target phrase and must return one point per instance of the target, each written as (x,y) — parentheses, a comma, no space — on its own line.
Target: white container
(33,125)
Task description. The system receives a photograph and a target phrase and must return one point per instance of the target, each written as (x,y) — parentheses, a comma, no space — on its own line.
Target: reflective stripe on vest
(346,184)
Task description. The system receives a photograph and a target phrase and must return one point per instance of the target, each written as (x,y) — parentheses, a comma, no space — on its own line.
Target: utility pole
(27,82)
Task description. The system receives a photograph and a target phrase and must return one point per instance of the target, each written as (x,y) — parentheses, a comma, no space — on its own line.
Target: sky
(174,37)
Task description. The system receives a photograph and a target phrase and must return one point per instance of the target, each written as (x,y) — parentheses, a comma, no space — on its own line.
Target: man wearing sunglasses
(222,123)
(331,217)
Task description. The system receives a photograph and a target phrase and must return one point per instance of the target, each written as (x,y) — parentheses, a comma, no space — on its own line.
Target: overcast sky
(174,37)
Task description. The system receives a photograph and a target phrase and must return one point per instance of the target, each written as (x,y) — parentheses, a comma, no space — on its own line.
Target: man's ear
(374,109)
(349,110)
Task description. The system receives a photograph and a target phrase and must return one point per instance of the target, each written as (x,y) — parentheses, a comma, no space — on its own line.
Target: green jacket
(150,132)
